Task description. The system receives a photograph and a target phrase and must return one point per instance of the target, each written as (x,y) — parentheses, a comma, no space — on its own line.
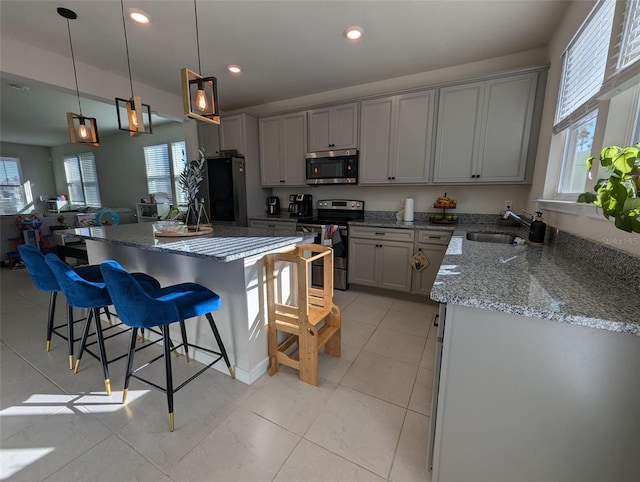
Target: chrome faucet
(512,215)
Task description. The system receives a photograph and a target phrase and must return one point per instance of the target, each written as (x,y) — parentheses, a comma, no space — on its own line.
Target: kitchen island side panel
(239,283)
(528,399)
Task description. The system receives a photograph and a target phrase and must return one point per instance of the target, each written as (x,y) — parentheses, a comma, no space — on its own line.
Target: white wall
(35,163)
(471,199)
(580,220)
(120,164)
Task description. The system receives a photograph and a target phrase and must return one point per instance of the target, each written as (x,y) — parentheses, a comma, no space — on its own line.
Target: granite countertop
(226,243)
(552,282)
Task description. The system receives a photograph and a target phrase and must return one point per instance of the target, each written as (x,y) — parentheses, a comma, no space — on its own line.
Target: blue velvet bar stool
(146,309)
(92,294)
(44,280)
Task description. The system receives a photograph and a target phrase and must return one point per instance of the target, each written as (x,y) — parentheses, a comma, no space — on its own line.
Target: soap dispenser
(537,229)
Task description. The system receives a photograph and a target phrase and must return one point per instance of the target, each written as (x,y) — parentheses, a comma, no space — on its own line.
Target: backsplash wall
(487,199)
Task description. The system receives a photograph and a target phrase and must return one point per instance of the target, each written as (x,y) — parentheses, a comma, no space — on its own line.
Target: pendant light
(82,130)
(138,114)
(200,94)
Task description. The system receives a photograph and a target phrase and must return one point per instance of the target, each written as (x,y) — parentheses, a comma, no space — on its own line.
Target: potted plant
(189,181)
(617,195)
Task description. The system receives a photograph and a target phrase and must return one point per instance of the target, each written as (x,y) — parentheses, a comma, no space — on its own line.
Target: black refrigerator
(227,196)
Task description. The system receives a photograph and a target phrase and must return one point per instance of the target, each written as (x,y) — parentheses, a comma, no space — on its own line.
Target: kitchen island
(540,362)
(227,261)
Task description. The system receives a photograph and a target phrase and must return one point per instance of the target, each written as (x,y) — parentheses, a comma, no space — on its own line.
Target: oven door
(339,258)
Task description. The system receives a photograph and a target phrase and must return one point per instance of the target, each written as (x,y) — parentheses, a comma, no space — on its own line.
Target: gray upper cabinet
(283,148)
(333,128)
(484,130)
(396,139)
(232,133)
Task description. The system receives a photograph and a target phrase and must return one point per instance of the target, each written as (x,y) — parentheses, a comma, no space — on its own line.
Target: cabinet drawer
(434,237)
(279,225)
(389,234)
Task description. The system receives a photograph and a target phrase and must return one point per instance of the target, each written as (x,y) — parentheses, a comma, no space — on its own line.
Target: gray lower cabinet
(275,224)
(380,257)
(433,244)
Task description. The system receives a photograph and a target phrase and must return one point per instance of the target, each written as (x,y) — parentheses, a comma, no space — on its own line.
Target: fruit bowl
(169,227)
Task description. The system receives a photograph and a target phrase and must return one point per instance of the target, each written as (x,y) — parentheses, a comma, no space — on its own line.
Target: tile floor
(367,421)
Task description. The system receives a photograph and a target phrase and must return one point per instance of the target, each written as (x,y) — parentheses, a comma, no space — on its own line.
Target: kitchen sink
(486,237)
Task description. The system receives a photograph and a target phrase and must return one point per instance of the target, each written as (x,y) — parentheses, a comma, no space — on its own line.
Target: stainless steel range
(330,226)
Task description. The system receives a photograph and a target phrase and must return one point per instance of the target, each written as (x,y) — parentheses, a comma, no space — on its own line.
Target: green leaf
(589,163)
(587,197)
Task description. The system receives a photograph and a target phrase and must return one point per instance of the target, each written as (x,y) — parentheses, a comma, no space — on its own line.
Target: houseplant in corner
(189,182)
(618,195)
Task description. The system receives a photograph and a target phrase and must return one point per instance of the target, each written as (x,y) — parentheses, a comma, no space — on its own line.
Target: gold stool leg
(171,425)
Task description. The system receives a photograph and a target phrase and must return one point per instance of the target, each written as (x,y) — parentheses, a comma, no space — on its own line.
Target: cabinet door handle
(282,180)
(380,234)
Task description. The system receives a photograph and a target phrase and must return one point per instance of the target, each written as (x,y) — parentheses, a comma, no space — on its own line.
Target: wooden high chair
(308,315)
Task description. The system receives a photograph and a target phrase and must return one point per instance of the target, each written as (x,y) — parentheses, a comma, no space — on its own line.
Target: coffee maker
(273,205)
(300,205)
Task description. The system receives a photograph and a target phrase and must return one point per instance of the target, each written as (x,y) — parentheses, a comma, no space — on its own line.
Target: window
(578,143)
(630,48)
(583,66)
(12,194)
(82,179)
(165,163)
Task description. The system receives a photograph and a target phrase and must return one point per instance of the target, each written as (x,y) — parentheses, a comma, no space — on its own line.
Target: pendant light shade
(134,117)
(82,130)
(199,94)
(200,97)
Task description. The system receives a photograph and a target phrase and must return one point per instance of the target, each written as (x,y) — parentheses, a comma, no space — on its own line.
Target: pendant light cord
(126,45)
(75,74)
(195,9)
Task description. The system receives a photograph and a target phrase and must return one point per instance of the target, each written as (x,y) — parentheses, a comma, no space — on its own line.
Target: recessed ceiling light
(234,69)
(353,33)
(139,16)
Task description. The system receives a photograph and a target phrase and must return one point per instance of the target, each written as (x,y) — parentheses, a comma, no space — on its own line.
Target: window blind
(179,156)
(584,65)
(82,179)
(12,197)
(630,48)
(158,170)
(90,179)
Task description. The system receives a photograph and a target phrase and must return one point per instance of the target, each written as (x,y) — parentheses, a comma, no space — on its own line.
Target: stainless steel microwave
(332,167)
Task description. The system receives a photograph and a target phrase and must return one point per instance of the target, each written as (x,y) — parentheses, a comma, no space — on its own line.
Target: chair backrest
(42,276)
(79,292)
(134,305)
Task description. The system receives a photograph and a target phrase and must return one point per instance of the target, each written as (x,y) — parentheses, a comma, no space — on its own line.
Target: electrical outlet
(508,205)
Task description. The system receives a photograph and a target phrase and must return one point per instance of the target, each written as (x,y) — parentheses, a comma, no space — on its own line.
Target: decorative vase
(197,215)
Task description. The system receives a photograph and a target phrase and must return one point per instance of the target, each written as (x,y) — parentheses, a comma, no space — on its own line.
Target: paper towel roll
(408,209)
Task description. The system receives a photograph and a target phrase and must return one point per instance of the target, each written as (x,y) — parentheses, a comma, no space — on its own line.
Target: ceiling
(287,49)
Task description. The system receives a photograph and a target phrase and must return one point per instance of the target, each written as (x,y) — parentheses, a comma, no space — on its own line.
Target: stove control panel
(341,205)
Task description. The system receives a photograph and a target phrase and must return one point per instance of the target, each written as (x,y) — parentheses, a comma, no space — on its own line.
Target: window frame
(19,188)
(567,141)
(175,167)
(85,185)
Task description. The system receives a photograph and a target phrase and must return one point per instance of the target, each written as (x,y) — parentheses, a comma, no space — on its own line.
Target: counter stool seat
(140,308)
(44,280)
(90,293)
